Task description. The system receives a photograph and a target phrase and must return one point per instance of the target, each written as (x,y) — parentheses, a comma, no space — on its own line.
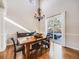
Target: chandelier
(38,15)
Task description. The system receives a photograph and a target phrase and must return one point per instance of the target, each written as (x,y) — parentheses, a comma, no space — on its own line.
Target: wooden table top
(33,40)
(29,41)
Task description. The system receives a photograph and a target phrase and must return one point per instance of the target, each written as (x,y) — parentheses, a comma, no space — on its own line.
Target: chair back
(24,34)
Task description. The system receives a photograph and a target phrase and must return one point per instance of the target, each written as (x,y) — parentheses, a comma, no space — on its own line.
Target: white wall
(52,7)
(20,12)
(2,30)
(0,27)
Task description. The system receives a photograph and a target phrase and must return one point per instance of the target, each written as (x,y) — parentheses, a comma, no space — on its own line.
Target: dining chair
(46,41)
(36,49)
(18,48)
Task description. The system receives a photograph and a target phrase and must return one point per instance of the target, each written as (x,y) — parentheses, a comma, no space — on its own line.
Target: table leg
(23,52)
(27,50)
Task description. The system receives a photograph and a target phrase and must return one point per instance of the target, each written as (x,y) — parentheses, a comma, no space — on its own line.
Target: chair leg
(23,53)
(14,55)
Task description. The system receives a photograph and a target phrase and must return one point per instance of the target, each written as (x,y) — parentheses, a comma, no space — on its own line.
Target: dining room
(39,29)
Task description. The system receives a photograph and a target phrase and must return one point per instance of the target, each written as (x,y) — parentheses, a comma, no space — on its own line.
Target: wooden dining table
(27,44)
(30,41)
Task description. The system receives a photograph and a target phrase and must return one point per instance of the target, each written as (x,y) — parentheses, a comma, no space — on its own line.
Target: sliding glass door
(55,27)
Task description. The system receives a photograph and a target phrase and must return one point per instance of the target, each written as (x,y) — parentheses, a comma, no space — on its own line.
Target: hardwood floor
(70,53)
(55,52)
